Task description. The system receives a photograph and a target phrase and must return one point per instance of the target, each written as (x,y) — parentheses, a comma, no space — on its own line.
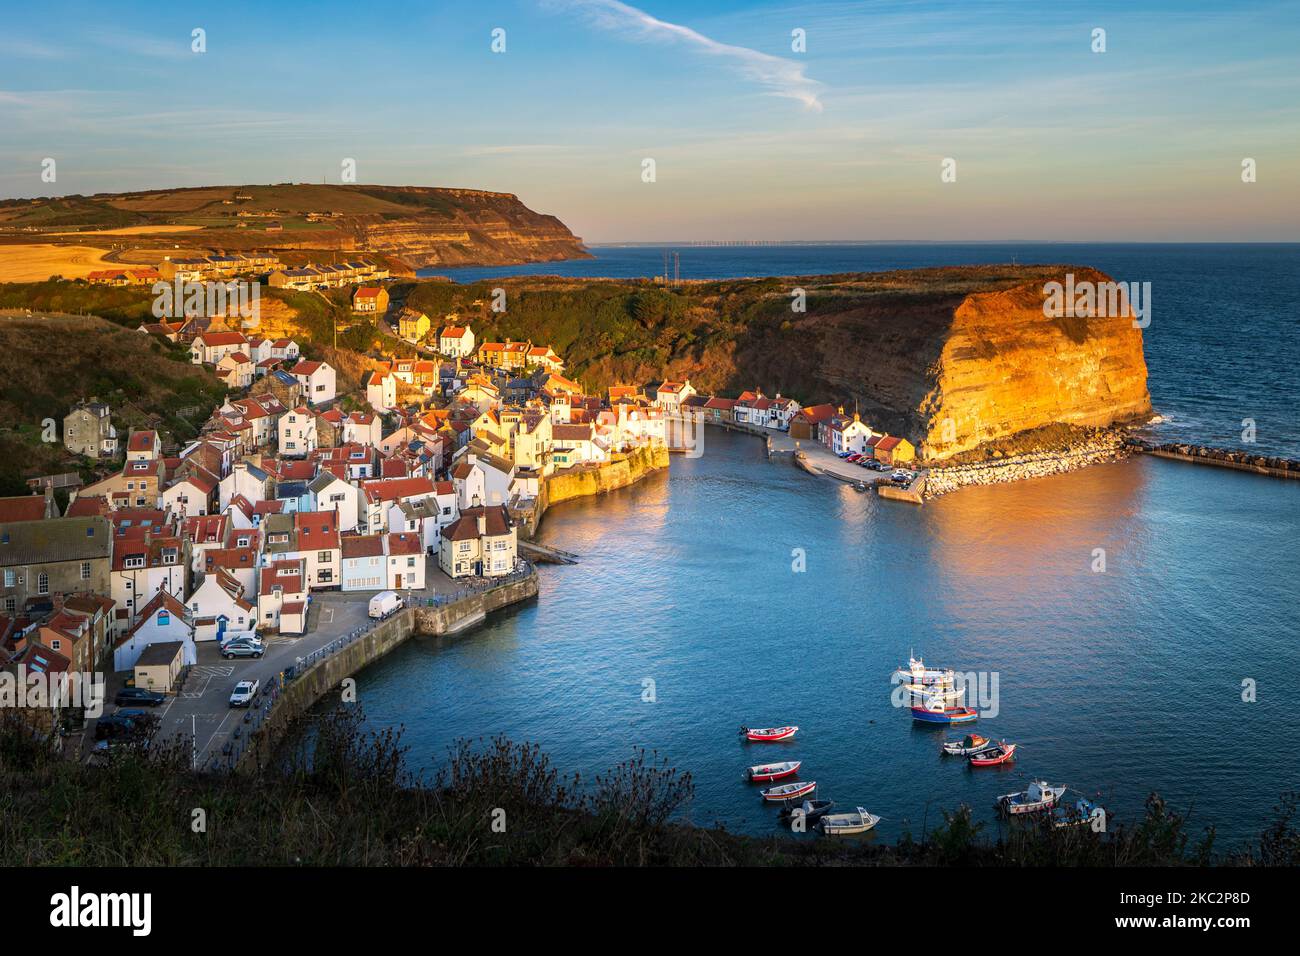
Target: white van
(384,603)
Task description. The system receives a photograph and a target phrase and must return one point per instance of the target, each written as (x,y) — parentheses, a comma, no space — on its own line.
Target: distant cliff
(423,226)
(949,358)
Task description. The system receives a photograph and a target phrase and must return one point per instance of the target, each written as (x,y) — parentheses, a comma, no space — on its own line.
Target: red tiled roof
(22,508)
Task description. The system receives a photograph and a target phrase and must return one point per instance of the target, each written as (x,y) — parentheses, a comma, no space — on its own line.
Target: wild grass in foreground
(342,796)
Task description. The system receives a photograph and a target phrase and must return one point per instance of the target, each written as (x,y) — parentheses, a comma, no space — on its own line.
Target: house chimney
(482,524)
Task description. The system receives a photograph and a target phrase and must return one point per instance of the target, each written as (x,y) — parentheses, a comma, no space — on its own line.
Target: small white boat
(927,676)
(768,735)
(846,824)
(1040,796)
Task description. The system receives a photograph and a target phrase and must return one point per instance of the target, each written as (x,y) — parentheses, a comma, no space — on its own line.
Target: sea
(1132,626)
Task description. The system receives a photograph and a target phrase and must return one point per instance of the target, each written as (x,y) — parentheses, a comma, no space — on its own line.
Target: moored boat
(812,810)
(788,791)
(767,772)
(927,676)
(933,710)
(846,824)
(970,744)
(767,735)
(998,753)
(1040,796)
(1081,813)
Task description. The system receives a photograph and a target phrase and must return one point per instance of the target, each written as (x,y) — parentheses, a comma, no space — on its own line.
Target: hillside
(47,364)
(415,225)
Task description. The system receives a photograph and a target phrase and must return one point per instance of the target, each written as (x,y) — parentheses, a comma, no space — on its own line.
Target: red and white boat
(993,755)
(788,791)
(768,735)
(767,772)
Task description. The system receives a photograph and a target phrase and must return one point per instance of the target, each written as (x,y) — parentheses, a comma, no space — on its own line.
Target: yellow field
(129,231)
(37,262)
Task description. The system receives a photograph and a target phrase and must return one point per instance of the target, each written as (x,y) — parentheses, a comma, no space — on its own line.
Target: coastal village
(427,481)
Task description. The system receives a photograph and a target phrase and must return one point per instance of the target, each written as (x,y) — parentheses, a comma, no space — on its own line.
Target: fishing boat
(812,810)
(1080,814)
(918,673)
(767,735)
(934,710)
(767,772)
(846,824)
(788,791)
(970,744)
(1040,796)
(1000,752)
(947,693)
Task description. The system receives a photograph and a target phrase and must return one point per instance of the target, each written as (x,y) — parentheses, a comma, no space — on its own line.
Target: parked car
(139,696)
(114,725)
(146,717)
(243,648)
(243,693)
(854,458)
(901,476)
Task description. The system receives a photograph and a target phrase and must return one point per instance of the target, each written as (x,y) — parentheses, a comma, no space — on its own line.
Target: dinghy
(788,791)
(970,744)
(846,824)
(992,756)
(812,810)
(1040,796)
(767,772)
(767,735)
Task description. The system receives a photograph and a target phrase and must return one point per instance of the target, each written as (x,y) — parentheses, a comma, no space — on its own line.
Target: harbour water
(1117,682)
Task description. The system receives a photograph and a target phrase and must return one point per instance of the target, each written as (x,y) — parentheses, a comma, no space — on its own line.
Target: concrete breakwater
(1223,458)
(1110,446)
(355,652)
(619,472)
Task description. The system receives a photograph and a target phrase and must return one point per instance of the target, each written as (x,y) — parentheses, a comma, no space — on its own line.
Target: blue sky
(750,138)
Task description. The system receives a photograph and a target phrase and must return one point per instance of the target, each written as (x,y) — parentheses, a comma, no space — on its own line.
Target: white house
(316,536)
(671,394)
(246,480)
(364,565)
(297,432)
(848,434)
(381,389)
(219,605)
(163,619)
(380,496)
(209,348)
(282,597)
(329,492)
(317,381)
(190,494)
(405,556)
(236,370)
(456,341)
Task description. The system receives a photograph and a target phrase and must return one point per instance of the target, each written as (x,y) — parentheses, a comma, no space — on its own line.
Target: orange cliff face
(1006,367)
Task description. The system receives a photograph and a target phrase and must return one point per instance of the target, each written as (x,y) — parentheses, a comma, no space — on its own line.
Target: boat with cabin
(970,744)
(1040,796)
(847,824)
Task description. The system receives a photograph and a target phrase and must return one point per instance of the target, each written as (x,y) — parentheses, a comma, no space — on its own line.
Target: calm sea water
(1116,683)
(1224,340)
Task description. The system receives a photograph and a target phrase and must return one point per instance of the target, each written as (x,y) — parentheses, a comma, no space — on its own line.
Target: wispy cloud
(781,76)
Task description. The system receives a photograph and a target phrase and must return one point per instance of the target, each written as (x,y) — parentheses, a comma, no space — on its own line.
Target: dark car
(114,725)
(128,696)
(139,716)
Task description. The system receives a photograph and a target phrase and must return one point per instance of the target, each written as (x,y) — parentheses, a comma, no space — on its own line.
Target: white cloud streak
(782,77)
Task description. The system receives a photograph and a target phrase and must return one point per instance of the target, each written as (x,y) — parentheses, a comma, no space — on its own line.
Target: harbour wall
(1223,458)
(322,676)
(619,472)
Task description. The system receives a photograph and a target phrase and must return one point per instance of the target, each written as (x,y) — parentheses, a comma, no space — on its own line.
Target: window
(10,577)
(56,645)
(164,619)
(85,570)
(42,583)
(11,605)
